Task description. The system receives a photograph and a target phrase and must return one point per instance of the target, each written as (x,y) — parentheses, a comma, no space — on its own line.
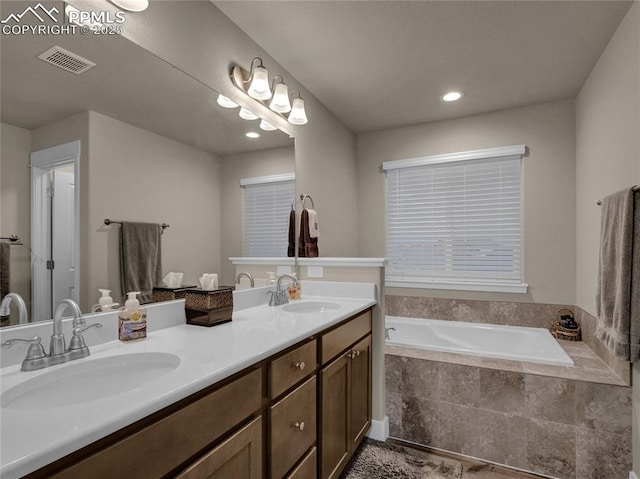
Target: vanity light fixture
(131,5)
(252,134)
(452,96)
(225,102)
(265,125)
(298,115)
(255,83)
(247,114)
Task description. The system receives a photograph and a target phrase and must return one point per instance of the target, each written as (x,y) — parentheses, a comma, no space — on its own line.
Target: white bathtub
(490,340)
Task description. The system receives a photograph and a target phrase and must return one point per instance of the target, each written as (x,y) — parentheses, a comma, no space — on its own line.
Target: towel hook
(304,197)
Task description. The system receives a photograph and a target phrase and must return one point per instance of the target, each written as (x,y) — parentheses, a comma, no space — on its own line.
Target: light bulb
(259,88)
(225,102)
(265,125)
(280,102)
(247,115)
(452,96)
(298,116)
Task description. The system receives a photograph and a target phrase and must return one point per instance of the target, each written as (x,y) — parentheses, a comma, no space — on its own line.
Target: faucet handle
(36,351)
(77,341)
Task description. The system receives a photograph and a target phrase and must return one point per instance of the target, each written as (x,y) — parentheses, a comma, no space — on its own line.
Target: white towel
(314,229)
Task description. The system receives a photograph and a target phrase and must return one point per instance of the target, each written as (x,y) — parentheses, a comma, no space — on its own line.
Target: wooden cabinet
(307,468)
(290,368)
(239,457)
(345,394)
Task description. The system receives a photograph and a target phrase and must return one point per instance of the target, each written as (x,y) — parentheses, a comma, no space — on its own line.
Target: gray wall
(607,160)
(137,175)
(549,189)
(235,167)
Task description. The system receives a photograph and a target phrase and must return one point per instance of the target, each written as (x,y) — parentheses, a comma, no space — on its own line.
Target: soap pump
(132,319)
(105,303)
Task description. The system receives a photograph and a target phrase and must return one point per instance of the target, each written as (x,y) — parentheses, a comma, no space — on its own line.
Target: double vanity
(280,391)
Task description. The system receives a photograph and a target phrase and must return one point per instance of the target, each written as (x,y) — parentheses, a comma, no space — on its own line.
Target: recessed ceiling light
(452,96)
(131,5)
(252,134)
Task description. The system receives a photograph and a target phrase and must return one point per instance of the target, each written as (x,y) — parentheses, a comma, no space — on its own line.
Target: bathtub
(490,340)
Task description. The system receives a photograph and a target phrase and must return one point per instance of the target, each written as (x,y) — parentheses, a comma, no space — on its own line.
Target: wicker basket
(566,334)
(161,293)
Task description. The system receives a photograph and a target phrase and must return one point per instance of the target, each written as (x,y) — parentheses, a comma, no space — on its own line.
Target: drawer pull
(299,425)
(301,365)
(354,354)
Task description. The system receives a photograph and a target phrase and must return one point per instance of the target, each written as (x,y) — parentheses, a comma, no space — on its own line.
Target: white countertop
(31,439)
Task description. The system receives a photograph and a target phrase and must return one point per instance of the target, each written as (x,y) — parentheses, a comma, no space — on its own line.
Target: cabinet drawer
(308,468)
(287,370)
(292,427)
(239,457)
(174,438)
(336,341)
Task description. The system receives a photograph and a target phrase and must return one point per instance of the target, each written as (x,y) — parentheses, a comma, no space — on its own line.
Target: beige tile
(501,438)
(603,407)
(551,448)
(459,384)
(420,378)
(419,420)
(577,349)
(393,373)
(602,455)
(394,412)
(551,399)
(523,314)
(469,311)
(502,391)
(457,429)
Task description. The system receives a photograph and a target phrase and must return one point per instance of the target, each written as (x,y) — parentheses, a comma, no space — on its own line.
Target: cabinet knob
(353,354)
(301,365)
(357,353)
(299,425)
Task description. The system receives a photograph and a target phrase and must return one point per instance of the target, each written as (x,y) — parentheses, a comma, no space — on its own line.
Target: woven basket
(169,294)
(563,333)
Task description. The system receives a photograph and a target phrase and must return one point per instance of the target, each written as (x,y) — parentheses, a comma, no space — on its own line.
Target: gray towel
(618,293)
(140,258)
(5,258)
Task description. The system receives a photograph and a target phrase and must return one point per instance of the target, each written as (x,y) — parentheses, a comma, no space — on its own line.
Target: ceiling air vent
(66,60)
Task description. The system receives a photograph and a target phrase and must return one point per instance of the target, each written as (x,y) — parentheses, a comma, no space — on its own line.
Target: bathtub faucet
(386,332)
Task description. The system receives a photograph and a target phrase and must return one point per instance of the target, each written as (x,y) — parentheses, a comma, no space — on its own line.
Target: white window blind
(454,221)
(267,204)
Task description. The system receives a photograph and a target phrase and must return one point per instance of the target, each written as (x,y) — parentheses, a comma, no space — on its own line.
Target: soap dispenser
(105,303)
(132,319)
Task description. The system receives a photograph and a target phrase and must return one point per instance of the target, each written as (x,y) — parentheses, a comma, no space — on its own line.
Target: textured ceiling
(383,64)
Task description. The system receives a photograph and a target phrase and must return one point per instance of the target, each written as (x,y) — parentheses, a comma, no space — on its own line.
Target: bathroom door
(62,237)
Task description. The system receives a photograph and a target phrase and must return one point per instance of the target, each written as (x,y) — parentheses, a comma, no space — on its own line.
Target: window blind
(267,203)
(454,223)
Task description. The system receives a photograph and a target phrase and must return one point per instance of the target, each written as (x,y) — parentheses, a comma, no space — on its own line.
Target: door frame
(41,162)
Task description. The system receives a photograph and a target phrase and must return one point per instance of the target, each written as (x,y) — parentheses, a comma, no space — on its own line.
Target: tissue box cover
(208,308)
(162,293)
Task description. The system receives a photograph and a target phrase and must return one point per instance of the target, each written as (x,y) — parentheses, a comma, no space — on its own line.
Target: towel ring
(304,197)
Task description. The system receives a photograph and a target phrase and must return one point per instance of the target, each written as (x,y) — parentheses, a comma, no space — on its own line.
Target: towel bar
(635,188)
(114,222)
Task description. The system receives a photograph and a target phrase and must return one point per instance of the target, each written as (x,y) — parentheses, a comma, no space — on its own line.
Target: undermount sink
(310,307)
(89,380)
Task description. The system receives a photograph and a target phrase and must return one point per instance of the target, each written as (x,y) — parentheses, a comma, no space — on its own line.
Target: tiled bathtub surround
(536,315)
(558,427)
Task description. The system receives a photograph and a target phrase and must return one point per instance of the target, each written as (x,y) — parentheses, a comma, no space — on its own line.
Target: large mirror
(130,139)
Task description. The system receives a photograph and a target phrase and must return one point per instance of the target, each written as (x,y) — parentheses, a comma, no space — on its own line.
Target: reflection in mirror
(154,147)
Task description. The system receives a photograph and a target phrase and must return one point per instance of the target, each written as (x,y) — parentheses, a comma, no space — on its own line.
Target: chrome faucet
(58,353)
(278,296)
(386,332)
(22,309)
(248,275)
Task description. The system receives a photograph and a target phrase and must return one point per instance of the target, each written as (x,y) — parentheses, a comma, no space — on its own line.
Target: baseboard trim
(632,475)
(379,429)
